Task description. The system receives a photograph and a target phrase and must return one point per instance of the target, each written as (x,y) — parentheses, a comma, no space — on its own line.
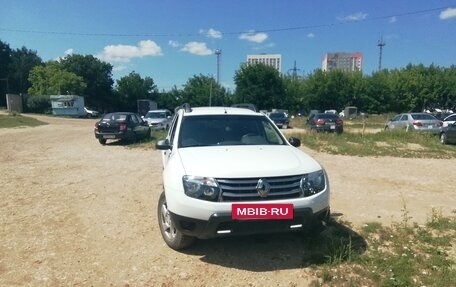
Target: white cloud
(174,44)
(69,52)
(448,13)
(254,37)
(353,17)
(393,19)
(311,35)
(211,33)
(197,48)
(124,53)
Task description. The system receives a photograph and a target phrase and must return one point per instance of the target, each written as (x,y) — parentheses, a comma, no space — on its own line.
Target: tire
(171,235)
(149,134)
(102,141)
(443,138)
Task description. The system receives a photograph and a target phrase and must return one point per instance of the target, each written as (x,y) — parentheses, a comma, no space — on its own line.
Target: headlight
(205,188)
(313,183)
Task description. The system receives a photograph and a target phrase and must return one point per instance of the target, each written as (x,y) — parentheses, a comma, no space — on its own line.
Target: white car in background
(159,119)
(91,113)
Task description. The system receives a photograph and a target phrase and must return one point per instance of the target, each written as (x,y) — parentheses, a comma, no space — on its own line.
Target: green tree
(52,79)
(98,78)
(5,60)
(203,90)
(260,85)
(132,88)
(22,62)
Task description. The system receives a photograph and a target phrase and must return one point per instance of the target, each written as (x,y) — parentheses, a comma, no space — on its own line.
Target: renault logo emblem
(263,188)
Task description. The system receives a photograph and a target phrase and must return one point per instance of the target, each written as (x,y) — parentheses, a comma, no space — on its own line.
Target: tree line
(411,88)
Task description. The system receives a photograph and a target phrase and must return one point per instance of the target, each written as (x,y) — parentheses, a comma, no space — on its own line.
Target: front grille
(245,189)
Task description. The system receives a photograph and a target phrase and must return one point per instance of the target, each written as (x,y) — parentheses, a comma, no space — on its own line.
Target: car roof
(121,113)
(159,110)
(198,111)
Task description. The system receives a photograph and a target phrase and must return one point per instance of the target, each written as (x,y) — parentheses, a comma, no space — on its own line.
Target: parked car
(448,134)
(422,122)
(280,119)
(121,125)
(230,171)
(91,113)
(449,120)
(322,122)
(159,119)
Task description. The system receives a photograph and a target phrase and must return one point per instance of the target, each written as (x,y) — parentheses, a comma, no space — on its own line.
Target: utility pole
(380,44)
(218,52)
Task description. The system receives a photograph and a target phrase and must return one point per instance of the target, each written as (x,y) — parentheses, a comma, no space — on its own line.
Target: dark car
(123,126)
(448,134)
(280,119)
(323,122)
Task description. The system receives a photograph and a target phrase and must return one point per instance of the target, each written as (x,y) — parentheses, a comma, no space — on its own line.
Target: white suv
(229,171)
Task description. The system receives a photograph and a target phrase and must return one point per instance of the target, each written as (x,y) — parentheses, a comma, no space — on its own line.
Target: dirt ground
(76,213)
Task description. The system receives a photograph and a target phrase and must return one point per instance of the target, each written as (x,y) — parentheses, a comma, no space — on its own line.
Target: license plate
(262,211)
(109,136)
(430,127)
(333,127)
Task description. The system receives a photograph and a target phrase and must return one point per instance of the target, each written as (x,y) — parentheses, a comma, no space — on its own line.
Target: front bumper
(222,224)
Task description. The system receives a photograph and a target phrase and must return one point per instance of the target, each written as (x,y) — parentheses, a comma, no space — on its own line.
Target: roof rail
(186,107)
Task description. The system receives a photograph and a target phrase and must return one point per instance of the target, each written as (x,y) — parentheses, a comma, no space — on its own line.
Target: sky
(171,41)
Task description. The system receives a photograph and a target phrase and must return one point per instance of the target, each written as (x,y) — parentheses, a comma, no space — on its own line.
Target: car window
(210,130)
(404,118)
(423,117)
(134,119)
(451,118)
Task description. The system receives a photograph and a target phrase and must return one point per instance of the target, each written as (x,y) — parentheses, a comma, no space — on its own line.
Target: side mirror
(163,145)
(294,141)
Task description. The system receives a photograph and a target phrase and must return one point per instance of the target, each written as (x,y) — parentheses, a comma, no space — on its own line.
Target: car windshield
(423,117)
(223,130)
(327,116)
(114,117)
(277,115)
(155,115)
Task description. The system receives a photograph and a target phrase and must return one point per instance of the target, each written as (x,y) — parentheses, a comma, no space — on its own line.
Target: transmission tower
(380,44)
(294,71)
(218,52)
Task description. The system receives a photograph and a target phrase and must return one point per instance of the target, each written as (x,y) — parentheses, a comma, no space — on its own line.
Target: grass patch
(366,137)
(14,120)
(384,143)
(149,143)
(402,254)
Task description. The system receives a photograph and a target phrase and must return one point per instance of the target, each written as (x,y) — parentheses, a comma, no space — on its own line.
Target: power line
(272,30)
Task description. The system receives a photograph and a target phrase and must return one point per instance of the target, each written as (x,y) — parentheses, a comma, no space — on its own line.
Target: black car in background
(121,125)
(448,134)
(280,119)
(325,122)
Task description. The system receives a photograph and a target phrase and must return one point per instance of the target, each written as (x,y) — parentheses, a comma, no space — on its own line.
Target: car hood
(246,161)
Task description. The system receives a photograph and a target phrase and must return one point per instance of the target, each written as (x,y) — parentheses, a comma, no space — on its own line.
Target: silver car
(422,122)
(159,119)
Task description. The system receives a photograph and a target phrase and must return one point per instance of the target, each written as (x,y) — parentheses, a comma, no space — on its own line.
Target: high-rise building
(274,60)
(348,62)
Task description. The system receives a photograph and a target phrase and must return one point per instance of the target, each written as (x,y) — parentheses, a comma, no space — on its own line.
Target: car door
(136,126)
(451,133)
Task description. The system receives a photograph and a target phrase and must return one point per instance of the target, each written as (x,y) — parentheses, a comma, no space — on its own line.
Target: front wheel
(102,141)
(172,236)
